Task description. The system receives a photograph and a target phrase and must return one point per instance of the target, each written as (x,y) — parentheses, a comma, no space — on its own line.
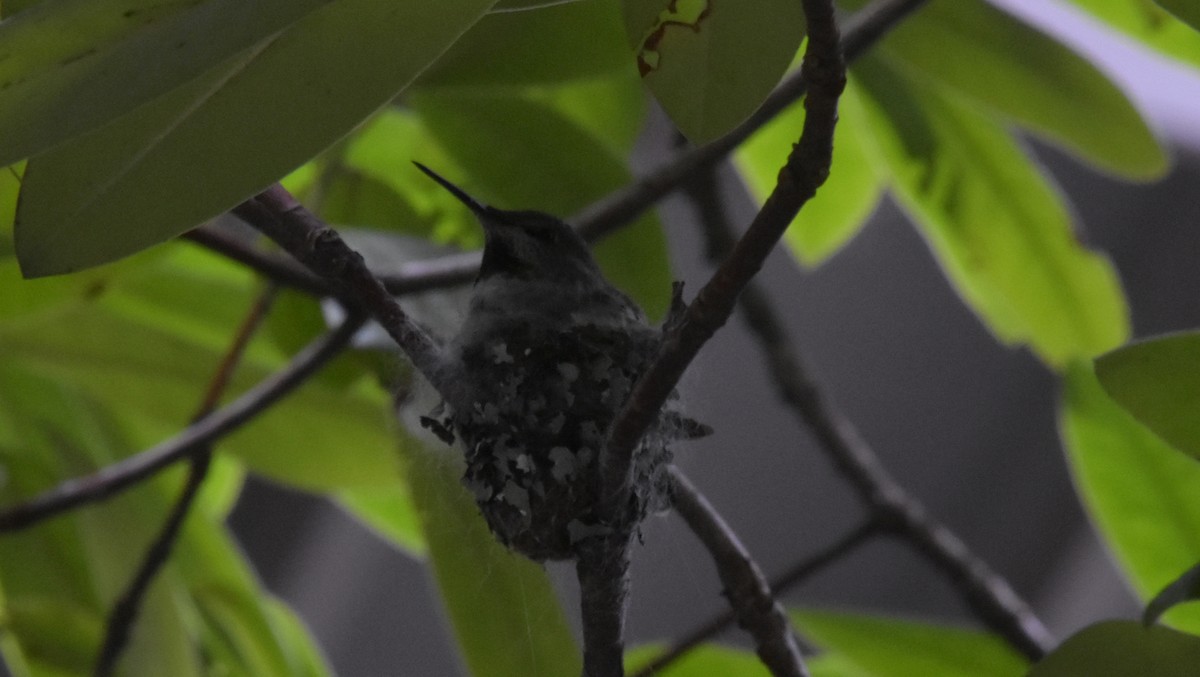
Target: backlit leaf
(1122,649)
(711,68)
(891,647)
(1158,381)
(1142,494)
(996,225)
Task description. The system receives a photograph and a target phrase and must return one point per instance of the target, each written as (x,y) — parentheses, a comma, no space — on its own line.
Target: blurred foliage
(127,123)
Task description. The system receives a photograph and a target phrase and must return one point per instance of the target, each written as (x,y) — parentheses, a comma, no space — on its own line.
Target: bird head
(525,244)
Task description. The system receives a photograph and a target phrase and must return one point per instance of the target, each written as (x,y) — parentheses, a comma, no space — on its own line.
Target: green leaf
(502,606)
(612,109)
(535,47)
(149,346)
(1187,10)
(202,148)
(1143,496)
(706,660)
(841,207)
(55,632)
(10,187)
(1121,649)
(524,154)
(711,69)
(889,647)
(968,45)
(1186,588)
(243,630)
(714,660)
(1150,24)
(69,66)
(390,513)
(1158,381)
(372,182)
(996,225)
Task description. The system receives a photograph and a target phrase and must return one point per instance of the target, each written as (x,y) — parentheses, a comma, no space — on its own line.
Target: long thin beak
(474,205)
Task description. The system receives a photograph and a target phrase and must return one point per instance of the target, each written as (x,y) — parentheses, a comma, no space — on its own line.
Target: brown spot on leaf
(648,58)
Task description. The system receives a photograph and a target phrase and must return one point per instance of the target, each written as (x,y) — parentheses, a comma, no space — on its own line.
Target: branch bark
(806,169)
(795,574)
(746,588)
(603,571)
(279,216)
(987,594)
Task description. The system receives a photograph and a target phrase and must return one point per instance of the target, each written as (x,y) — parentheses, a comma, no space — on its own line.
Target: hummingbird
(547,354)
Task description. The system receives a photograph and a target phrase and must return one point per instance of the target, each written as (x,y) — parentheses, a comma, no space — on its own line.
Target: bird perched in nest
(548,353)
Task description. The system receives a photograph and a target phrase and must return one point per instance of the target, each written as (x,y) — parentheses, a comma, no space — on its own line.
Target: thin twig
(118,476)
(746,588)
(279,269)
(125,610)
(806,169)
(796,574)
(988,595)
(279,216)
(412,277)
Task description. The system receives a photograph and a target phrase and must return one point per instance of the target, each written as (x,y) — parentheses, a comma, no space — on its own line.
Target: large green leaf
(1123,649)
(71,65)
(1143,496)
(889,647)
(999,229)
(523,154)
(502,606)
(536,47)
(1031,78)
(202,148)
(844,202)
(1152,25)
(711,68)
(1187,10)
(1158,381)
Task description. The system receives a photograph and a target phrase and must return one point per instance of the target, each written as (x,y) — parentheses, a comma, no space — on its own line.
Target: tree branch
(281,270)
(796,574)
(746,588)
(805,170)
(125,610)
(602,567)
(116,477)
(282,218)
(987,594)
